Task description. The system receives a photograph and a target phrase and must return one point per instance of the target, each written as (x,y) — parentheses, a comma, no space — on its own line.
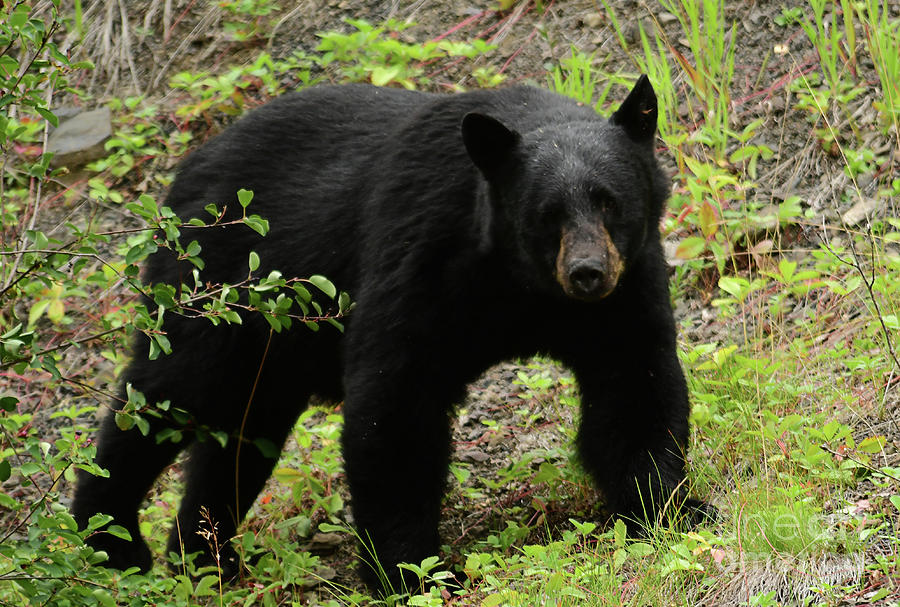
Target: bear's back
(327,160)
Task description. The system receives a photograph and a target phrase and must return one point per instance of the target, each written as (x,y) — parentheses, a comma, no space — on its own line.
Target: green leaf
(18,18)
(205,586)
(872,444)
(8,403)
(103,597)
(329,528)
(493,600)
(10,66)
(244,197)
(274,322)
(619,532)
(169,434)
(547,472)
(8,502)
(690,248)
(119,532)
(254,261)
(640,549)
(287,476)
(124,421)
(707,215)
(344,302)
(734,285)
(56,310)
(382,76)
(790,208)
(787,269)
(323,284)
(98,520)
(193,249)
(220,437)
(303,293)
(37,310)
(5,470)
(257,224)
(48,115)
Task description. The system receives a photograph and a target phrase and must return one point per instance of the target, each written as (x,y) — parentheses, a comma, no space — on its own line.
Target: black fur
(442,216)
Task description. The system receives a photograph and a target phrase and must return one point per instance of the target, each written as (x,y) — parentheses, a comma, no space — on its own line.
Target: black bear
(468,229)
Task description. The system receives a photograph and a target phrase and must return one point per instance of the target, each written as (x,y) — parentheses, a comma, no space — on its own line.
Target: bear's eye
(604,201)
(550,212)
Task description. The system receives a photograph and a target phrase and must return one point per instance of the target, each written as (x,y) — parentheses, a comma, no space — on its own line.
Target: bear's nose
(587,277)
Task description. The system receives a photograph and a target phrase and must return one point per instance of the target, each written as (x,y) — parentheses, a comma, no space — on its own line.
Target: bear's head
(576,197)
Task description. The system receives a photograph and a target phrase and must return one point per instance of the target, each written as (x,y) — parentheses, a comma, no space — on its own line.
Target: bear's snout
(587,277)
(588,265)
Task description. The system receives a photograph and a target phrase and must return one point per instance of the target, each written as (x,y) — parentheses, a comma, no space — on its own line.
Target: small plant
(248,15)
(575,77)
(883,41)
(712,45)
(789,16)
(859,162)
(375,54)
(240,88)
(834,42)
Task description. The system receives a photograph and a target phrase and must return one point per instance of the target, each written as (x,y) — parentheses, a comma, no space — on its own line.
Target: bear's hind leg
(223,482)
(133,461)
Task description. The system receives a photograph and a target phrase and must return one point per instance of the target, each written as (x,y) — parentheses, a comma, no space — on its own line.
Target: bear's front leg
(634,429)
(396,445)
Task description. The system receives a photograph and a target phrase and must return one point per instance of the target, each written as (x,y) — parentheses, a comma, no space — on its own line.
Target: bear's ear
(637,114)
(488,142)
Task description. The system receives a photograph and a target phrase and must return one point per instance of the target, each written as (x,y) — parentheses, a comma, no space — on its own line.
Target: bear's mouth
(588,265)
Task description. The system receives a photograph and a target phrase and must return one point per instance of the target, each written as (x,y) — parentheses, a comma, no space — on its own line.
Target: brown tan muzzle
(588,266)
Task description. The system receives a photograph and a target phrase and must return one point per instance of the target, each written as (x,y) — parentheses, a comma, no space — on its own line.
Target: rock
(323,543)
(862,209)
(756,16)
(64,113)
(473,457)
(593,20)
(666,18)
(318,577)
(778,103)
(81,138)
(670,247)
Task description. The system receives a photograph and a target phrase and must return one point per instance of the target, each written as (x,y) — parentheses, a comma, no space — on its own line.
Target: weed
(883,41)
(710,75)
(575,77)
(829,40)
(789,16)
(375,54)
